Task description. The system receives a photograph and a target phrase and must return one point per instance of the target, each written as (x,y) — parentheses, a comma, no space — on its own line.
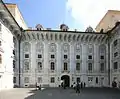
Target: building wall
(6,68)
(115,70)
(30,48)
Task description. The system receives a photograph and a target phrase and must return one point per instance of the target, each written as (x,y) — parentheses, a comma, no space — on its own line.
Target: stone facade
(48,56)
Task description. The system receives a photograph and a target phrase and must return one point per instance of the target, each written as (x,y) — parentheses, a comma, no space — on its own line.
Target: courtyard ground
(59,93)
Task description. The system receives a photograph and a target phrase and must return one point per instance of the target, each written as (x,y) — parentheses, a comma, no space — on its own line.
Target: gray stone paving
(58,93)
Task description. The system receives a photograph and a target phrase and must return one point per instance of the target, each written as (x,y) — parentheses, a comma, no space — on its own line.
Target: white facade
(58,44)
(46,57)
(8,30)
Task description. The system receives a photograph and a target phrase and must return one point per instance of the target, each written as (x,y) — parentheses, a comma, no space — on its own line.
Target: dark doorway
(66,80)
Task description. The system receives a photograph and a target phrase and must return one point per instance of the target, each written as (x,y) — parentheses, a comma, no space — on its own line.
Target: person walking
(78,87)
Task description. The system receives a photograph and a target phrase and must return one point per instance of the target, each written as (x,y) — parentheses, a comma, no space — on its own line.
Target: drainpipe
(19,41)
(109,59)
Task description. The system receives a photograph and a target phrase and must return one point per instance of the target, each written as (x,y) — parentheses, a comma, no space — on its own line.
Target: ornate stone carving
(26,47)
(52,47)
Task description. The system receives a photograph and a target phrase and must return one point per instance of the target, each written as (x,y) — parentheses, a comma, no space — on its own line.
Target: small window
(65,56)
(115,54)
(102,67)
(0,59)
(26,79)
(39,56)
(52,56)
(26,55)
(90,66)
(115,65)
(13,63)
(13,52)
(52,66)
(115,43)
(77,56)
(39,65)
(77,66)
(101,57)
(26,66)
(89,57)
(14,79)
(65,66)
(52,80)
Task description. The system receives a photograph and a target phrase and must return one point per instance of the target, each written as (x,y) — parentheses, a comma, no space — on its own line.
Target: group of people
(115,84)
(38,87)
(79,85)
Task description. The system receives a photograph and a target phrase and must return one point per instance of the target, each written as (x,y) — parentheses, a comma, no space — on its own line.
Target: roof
(66,31)
(109,11)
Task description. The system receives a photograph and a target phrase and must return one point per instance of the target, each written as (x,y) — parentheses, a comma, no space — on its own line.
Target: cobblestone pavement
(59,93)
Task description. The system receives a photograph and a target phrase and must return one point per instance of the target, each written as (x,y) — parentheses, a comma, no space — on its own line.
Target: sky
(77,14)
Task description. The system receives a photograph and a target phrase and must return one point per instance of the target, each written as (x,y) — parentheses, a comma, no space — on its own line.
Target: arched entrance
(66,80)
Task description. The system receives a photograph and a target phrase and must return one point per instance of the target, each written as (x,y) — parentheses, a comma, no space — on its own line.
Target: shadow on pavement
(86,93)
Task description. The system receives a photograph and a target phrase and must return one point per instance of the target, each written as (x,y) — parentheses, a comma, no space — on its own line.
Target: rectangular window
(96,80)
(115,54)
(52,80)
(26,65)
(13,63)
(14,79)
(115,65)
(13,52)
(89,66)
(90,57)
(77,56)
(39,56)
(115,43)
(52,66)
(26,79)
(65,66)
(52,56)
(39,79)
(26,55)
(39,65)
(0,59)
(78,79)
(65,56)
(102,67)
(77,66)
(101,57)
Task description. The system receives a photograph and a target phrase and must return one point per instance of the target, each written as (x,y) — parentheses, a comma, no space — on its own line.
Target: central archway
(66,80)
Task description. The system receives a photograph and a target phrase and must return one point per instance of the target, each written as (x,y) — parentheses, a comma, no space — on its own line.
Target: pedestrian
(40,87)
(81,85)
(78,87)
(84,84)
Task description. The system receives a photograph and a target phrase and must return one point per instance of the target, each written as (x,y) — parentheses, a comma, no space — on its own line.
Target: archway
(66,80)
